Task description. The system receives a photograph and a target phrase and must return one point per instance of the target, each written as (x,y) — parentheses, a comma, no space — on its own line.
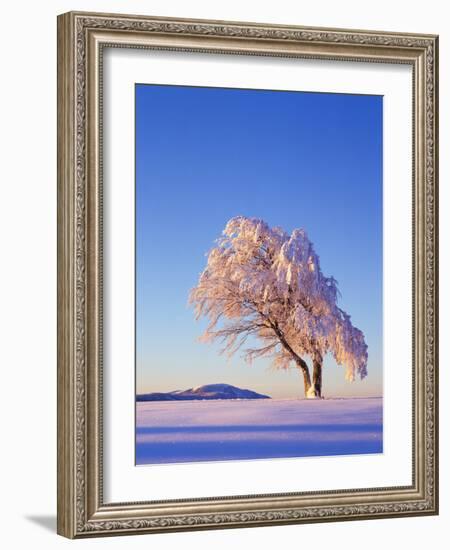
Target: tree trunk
(317,377)
(306,381)
(301,364)
(306,376)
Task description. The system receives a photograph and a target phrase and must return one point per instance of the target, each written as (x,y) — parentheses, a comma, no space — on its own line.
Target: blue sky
(204,155)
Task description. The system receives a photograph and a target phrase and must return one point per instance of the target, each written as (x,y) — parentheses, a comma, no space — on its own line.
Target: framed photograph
(247,274)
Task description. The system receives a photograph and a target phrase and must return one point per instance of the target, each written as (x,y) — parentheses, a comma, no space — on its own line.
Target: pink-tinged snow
(197,431)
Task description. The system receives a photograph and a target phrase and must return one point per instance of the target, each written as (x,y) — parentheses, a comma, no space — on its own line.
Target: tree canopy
(262,284)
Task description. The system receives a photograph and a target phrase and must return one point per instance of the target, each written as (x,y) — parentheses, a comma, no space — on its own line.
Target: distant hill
(209,391)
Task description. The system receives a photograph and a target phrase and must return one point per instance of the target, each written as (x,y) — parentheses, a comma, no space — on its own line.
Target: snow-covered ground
(196,431)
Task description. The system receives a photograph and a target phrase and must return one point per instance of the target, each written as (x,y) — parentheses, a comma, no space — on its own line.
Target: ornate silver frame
(81,510)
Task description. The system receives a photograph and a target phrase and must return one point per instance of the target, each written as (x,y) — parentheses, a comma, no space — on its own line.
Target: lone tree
(263,283)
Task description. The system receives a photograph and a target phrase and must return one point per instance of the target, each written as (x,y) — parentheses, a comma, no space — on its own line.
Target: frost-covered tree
(263,283)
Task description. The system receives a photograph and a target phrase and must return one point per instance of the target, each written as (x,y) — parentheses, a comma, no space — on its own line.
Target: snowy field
(196,431)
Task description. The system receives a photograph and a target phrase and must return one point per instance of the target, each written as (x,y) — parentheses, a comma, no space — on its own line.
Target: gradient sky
(205,155)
